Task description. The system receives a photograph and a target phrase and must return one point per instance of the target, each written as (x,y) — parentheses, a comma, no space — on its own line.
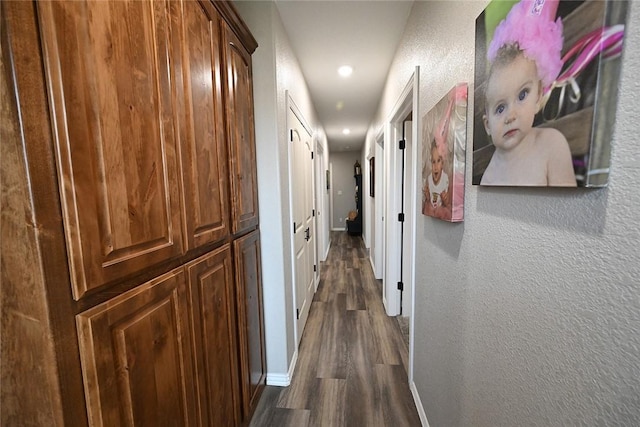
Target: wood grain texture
(351,368)
(267,414)
(91,119)
(201,122)
(329,402)
(136,357)
(23,307)
(107,67)
(333,341)
(296,396)
(231,15)
(253,367)
(240,132)
(213,314)
(41,379)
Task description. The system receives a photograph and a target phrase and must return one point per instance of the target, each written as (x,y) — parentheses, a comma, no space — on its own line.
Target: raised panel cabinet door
(211,293)
(240,130)
(201,125)
(108,81)
(250,319)
(136,357)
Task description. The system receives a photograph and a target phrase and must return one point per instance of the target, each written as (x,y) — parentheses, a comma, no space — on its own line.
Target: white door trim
(404,105)
(408,102)
(379,201)
(319,206)
(291,105)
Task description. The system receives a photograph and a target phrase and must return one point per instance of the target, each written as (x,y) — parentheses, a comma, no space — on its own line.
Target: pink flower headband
(530,24)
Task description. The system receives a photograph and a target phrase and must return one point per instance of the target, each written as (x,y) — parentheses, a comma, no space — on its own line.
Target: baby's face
(436,165)
(513,95)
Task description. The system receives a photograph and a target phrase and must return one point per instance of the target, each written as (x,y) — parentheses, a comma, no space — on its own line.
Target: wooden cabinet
(109,89)
(136,357)
(211,293)
(131,155)
(240,128)
(248,283)
(201,128)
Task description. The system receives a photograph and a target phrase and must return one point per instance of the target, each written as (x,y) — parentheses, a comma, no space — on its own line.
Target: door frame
(406,103)
(291,105)
(319,186)
(379,202)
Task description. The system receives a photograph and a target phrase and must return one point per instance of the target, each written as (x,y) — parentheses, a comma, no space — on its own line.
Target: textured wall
(276,72)
(528,312)
(273,273)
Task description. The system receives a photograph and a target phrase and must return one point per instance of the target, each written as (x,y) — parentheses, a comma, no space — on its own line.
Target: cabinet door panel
(136,358)
(240,128)
(204,155)
(108,80)
(250,319)
(213,321)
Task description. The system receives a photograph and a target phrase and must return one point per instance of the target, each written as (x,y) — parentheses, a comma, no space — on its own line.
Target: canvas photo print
(546,76)
(444,139)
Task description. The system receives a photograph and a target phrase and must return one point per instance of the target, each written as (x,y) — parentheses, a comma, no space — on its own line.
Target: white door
(302,210)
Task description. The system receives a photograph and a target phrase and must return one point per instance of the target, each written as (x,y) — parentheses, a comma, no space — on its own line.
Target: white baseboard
(326,255)
(280,380)
(418,402)
(339,229)
(283,380)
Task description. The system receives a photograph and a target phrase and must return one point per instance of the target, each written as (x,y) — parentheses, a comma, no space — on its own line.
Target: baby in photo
(525,57)
(438,180)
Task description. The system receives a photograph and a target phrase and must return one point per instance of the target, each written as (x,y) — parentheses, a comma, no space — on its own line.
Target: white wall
(527,313)
(276,71)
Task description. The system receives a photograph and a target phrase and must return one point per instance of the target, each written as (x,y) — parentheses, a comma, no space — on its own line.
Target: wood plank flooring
(351,368)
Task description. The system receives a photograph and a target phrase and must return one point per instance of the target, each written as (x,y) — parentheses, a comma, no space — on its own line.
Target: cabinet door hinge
(294,227)
(312,155)
(401,217)
(402,143)
(313,212)
(400,286)
(315,268)
(297,314)
(290,135)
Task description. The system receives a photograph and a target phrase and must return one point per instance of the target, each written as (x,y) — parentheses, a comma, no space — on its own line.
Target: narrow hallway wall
(527,313)
(276,72)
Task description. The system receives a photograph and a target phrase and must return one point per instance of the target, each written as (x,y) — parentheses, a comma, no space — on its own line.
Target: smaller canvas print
(444,140)
(545,93)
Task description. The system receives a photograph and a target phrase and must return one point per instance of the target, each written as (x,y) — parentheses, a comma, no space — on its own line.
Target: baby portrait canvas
(444,140)
(545,95)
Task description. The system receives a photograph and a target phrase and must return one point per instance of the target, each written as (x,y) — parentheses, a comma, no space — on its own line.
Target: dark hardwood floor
(351,368)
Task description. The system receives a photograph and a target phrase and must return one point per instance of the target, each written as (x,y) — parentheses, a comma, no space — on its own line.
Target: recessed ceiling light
(339,105)
(345,71)
(346,131)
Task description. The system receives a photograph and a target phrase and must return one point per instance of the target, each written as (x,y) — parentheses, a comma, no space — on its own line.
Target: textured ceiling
(327,34)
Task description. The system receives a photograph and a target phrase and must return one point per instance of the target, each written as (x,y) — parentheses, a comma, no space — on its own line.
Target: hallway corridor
(352,362)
